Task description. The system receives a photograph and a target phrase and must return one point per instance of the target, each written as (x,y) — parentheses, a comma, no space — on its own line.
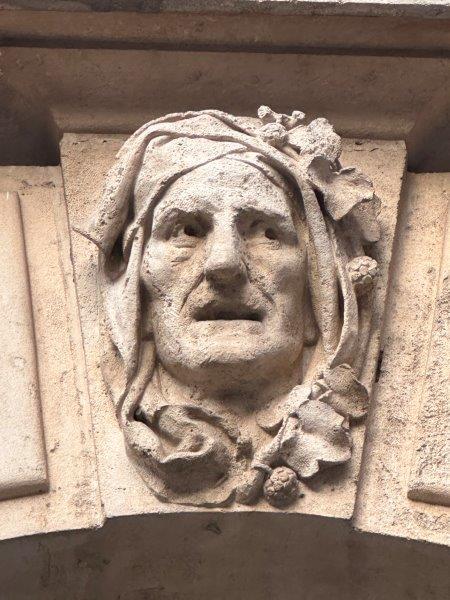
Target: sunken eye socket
(193,230)
(190,230)
(271,234)
(259,228)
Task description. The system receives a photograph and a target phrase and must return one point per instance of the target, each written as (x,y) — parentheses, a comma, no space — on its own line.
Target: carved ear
(311,330)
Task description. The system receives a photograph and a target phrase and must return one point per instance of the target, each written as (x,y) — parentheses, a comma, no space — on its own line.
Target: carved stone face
(205,303)
(225,272)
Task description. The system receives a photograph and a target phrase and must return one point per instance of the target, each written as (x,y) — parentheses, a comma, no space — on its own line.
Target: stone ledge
(399,8)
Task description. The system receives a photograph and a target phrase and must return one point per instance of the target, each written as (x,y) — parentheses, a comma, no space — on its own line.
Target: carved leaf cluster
(316,436)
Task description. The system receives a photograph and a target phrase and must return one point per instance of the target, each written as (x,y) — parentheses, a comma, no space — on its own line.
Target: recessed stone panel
(430,473)
(23,468)
(69,500)
(407,426)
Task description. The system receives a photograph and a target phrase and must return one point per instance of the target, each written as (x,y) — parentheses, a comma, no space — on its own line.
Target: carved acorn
(362,270)
(281,487)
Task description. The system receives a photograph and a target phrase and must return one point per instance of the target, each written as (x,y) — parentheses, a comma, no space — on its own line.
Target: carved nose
(224,263)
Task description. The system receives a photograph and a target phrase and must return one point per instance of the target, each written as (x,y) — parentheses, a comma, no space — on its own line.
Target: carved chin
(228,331)
(243,352)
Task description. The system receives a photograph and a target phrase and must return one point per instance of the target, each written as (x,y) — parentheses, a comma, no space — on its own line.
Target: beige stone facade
(225,336)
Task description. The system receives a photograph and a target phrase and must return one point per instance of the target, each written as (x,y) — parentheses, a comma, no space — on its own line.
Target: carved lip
(228,311)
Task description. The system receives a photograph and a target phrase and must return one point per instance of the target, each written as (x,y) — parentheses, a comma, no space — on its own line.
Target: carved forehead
(244,181)
(241,168)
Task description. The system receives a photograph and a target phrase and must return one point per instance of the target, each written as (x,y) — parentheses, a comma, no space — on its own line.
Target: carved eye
(259,229)
(271,234)
(192,230)
(186,231)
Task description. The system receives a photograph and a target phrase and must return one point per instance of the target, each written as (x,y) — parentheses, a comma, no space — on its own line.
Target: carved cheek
(292,271)
(282,271)
(165,273)
(156,269)
(289,280)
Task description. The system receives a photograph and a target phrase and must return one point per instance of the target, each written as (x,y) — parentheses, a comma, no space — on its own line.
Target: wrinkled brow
(265,213)
(170,214)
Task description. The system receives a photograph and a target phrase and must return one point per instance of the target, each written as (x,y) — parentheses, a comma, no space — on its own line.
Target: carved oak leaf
(270,417)
(340,388)
(362,221)
(342,190)
(316,139)
(316,436)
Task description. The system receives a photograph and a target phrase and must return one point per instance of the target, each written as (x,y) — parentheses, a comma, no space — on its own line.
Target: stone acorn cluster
(363,271)
(281,487)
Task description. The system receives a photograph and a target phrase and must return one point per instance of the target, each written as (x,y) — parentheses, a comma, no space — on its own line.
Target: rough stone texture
(423,8)
(382,504)
(430,477)
(92,90)
(99,72)
(23,468)
(72,500)
(122,491)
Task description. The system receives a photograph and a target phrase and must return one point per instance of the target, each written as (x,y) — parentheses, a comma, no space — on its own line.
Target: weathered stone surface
(382,76)
(423,8)
(382,504)
(250,30)
(430,476)
(71,501)
(223,556)
(23,468)
(78,157)
(400,62)
(92,89)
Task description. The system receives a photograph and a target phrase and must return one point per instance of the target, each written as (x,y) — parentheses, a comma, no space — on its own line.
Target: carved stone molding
(70,498)
(430,471)
(23,468)
(406,429)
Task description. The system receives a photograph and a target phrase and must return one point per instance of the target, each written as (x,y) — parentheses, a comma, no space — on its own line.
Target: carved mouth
(219,312)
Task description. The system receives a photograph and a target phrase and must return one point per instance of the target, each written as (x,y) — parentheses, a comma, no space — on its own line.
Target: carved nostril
(224,265)
(224,272)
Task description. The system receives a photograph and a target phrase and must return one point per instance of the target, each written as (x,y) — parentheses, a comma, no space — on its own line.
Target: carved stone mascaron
(235,289)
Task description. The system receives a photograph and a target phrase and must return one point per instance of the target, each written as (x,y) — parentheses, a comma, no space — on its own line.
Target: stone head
(225,247)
